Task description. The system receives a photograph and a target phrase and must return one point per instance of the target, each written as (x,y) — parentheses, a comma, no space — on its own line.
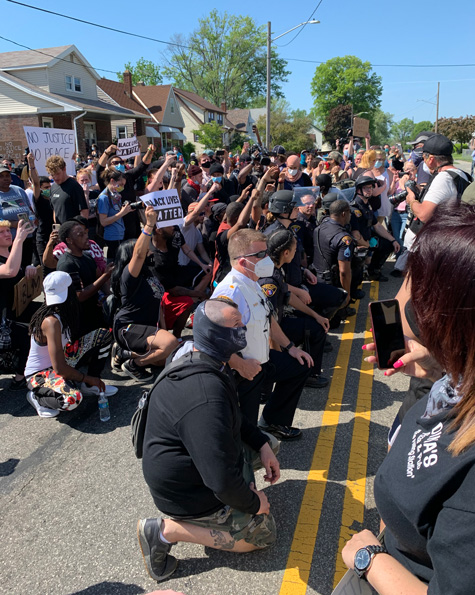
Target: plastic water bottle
(104,413)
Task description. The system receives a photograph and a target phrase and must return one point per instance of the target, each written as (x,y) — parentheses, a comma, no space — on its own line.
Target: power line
(387,65)
(49,55)
(301,28)
(65,16)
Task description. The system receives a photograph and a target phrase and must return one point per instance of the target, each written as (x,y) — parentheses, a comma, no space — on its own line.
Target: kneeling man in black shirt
(199,452)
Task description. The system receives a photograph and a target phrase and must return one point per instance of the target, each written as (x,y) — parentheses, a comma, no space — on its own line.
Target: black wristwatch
(364,558)
(288,347)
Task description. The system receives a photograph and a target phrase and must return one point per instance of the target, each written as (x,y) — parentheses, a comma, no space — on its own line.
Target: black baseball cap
(438,144)
(421,137)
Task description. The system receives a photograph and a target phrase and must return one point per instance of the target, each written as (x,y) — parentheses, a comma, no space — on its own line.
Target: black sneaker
(280,432)
(377,277)
(138,373)
(359,294)
(316,381)
(159,564)
(116,359)
(17,385)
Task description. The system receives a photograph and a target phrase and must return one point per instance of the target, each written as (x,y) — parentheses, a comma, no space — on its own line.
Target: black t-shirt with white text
(68,200)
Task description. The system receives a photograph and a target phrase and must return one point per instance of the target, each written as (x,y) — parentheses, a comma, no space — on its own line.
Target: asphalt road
(71,489)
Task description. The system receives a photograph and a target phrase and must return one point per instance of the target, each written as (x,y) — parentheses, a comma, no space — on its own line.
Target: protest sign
(12,149)
(27,290)
(168,205)
(128,147)
(360,127)
(46,142)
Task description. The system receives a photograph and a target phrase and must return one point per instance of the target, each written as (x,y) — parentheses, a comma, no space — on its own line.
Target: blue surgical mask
(346,153)
(217,179)
(378,164)
(120,167)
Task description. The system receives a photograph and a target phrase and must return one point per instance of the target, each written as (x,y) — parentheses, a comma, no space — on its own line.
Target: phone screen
(387,332)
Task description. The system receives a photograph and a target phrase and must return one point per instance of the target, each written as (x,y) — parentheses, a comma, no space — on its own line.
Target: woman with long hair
(304,325)
(139,324)
(424,488)
(56,349)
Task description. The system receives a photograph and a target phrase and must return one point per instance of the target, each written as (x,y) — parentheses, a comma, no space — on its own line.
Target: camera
(259,155)
(396,199)
(136,205)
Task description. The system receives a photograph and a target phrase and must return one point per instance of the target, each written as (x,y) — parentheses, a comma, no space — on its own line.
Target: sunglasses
(116,162)
(260,254)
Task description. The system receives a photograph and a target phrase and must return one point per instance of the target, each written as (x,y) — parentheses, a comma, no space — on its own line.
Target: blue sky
(382,33)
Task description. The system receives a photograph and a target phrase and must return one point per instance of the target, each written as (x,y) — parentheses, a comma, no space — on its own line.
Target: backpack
(200,362)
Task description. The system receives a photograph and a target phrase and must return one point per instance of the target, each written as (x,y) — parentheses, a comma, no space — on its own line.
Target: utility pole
(268,87)
(437,109)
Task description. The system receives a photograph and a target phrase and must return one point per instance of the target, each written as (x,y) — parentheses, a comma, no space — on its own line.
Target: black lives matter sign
(128,147)
(168,207)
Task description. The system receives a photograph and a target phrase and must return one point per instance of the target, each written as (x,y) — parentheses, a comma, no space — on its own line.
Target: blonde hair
(55,164)
(240,242)
(5,223)
(85,172)
(368,159)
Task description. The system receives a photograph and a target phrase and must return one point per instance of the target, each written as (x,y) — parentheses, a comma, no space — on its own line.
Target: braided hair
(67,312)
(278,242)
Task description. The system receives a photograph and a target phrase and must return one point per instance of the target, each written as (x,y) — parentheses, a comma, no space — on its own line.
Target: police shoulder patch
(347,240)
(224,298)
(295,227)
(269,289)
(357,213)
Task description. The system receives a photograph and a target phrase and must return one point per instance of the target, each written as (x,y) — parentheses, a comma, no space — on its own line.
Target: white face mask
(292,172)
(263,268)
(425,168)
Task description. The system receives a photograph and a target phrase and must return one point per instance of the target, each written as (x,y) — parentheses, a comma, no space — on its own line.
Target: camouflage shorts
(258,530)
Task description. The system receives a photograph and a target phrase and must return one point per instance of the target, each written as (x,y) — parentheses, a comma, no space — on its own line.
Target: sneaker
(358,294)
(280,432)
(41,411)
(88,391)
(17,385)
(377,277)
(136,372)
(116,359)
(316,381)
(158,562)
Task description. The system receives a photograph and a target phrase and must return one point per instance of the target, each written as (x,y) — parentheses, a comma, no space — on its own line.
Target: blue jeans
(398,224)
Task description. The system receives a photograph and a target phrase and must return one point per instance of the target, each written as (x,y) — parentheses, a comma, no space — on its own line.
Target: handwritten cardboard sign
(27,290)
(360,127)
(168,205)
(46,142)
(12,149)
(128,147)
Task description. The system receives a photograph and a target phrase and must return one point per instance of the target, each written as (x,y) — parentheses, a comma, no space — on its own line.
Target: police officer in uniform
(334,250)
(325,299)
(258,364)
(368,232)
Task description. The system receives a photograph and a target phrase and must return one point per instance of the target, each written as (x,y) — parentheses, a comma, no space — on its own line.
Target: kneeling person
(193,454)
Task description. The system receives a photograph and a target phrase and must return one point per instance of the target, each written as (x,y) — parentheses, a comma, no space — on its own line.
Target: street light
(269,41)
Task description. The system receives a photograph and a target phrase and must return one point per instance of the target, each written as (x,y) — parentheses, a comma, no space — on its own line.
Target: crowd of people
(270,255)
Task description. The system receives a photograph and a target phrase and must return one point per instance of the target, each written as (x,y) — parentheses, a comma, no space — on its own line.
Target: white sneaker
(42,411)
(89,391)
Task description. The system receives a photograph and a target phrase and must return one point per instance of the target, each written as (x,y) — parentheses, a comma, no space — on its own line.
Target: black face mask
(206,165)
(216,341)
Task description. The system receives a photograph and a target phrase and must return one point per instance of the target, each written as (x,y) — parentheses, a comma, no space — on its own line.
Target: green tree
(345,81)
(402,131)
(144,71)
(210,135)
(380,127)
(224,60)
(287,128)
(188,149)
(338,123)
(457,129)
(420,126)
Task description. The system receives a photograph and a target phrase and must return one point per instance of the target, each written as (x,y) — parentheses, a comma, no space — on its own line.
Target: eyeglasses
(260,254)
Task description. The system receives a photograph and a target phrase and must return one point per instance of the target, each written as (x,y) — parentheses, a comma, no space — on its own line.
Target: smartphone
(56,226)
(387,332)
(220,153)
(24,217)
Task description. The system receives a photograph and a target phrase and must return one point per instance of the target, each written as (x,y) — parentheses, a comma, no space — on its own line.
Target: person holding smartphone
(111,211)
(424,488)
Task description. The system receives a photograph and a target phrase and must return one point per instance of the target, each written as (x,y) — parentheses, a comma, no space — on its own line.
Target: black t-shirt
(83,272)
(67,200)
(303,181)
(140,299)
(7,290)
(44,211)
(166,263)
(222,255)
(425,497)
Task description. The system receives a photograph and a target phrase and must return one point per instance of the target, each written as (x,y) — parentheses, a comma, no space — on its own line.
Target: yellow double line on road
(299,562)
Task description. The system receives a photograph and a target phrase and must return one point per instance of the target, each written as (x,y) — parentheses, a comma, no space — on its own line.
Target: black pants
(290,377)
(326,299)
(112,247)
(380,255)
(302,329)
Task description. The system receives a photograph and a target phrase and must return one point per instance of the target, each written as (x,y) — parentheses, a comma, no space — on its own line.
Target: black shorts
(133,337)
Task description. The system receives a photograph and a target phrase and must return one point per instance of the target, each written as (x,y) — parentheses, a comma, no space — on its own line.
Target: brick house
(56,88)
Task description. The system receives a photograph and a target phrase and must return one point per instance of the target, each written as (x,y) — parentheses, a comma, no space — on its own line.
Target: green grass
(460,157)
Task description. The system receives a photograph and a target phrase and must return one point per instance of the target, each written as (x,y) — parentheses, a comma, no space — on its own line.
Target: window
(210,116)
(220,118)
(73,83)
(47,122)
(195,138)
(121,131)
(172,106)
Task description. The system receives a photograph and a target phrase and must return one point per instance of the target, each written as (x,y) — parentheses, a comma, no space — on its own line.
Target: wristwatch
(364,558)
(288,347)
